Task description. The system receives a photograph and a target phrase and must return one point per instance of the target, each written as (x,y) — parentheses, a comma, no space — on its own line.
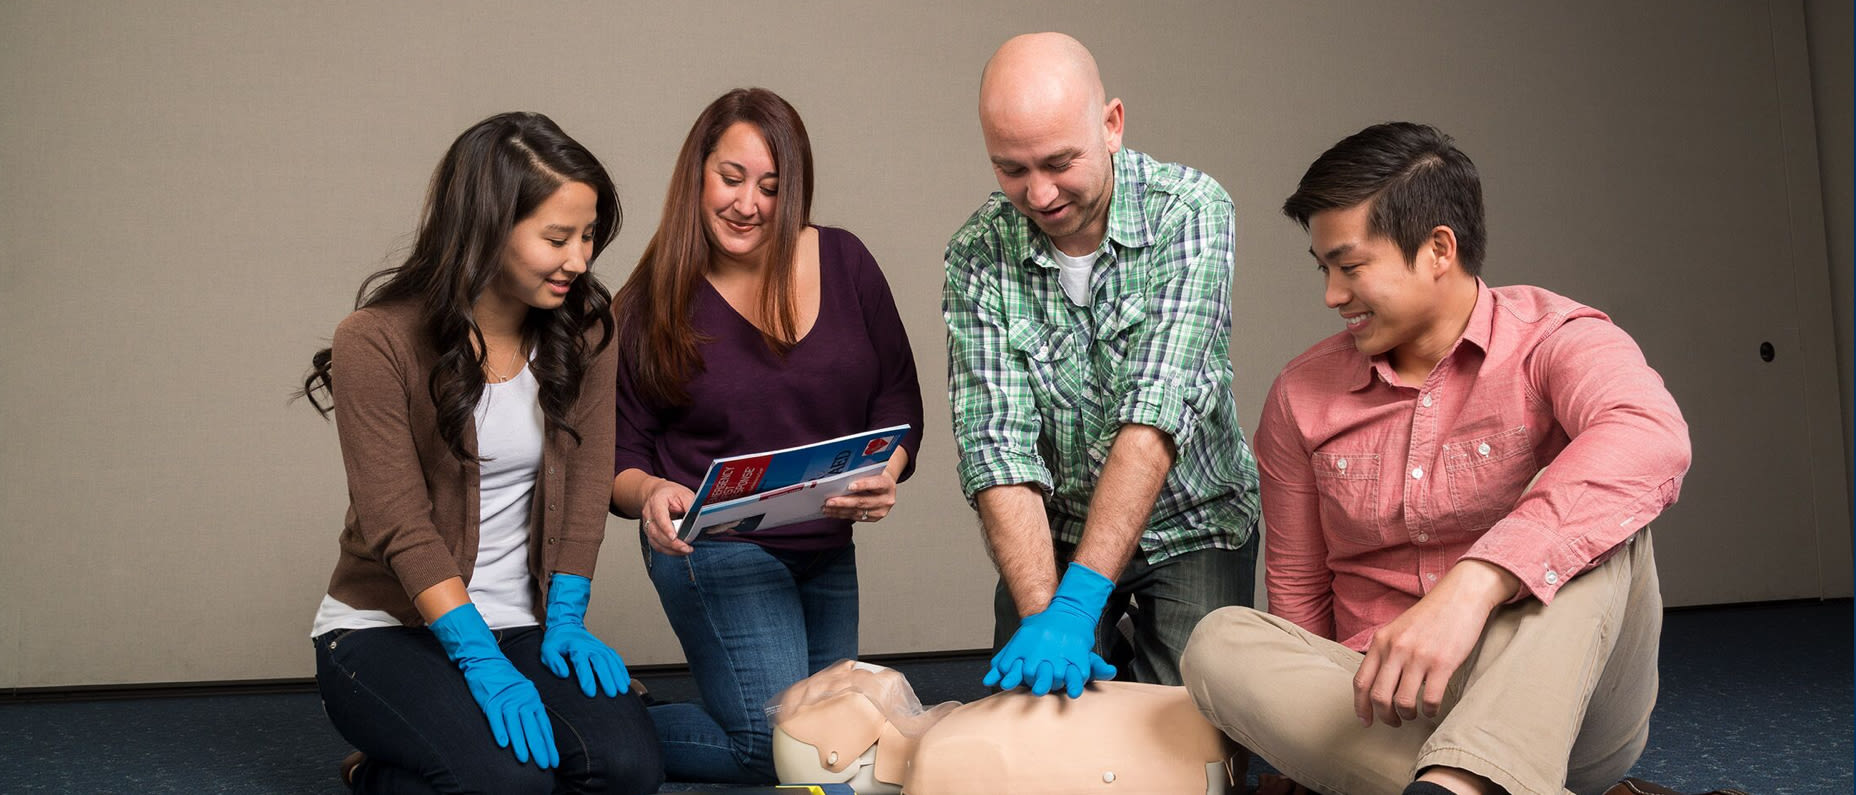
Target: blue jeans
(396,697)
(752,622)
(1163,602)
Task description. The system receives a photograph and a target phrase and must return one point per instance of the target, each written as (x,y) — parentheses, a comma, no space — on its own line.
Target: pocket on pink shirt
(1349,487)
(1487,475)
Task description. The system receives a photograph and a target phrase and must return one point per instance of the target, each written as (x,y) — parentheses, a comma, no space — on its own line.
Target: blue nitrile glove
(507,698)
(1057,646)
(567,648)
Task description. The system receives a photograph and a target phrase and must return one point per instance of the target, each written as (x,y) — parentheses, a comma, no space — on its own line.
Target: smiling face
(1051,134)
(549,249)
(739,186)
(1412,311)
(1055,163)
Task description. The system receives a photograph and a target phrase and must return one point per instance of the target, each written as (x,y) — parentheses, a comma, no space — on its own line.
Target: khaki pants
(1554,698)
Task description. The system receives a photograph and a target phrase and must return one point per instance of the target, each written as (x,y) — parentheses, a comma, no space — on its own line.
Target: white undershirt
(509,440)
(1073,275)
(509,431)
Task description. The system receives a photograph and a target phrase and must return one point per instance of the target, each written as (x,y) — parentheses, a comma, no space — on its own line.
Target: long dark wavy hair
(660,343)
(494,175)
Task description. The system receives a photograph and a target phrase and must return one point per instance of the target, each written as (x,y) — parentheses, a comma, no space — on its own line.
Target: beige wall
(190,193)
(1828,23)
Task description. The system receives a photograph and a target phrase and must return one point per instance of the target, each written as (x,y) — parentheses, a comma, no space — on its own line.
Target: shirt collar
(1477,333)
(1127,225)
(1481,319)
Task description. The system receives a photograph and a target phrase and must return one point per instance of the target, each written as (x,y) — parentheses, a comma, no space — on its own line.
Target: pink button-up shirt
(1373,489)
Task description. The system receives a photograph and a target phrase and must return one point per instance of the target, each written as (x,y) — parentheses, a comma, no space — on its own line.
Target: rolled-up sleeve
(995,421)
(1624,465)
(1179,361)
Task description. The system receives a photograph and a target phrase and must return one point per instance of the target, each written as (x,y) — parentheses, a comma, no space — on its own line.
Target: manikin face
(549,249)
(739,186)
(1055,164)
(1385,302)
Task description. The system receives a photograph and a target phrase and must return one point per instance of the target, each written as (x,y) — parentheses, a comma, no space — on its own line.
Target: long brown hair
(494,175)
(660,343)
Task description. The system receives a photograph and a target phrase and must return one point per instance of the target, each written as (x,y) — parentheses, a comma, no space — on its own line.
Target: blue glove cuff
(463,634)
(1083,589)
(567,599)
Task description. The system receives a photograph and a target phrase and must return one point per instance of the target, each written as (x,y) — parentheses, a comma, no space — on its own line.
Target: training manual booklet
(782,487)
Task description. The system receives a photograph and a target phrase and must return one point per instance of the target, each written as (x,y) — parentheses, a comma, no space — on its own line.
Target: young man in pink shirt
(1456,490)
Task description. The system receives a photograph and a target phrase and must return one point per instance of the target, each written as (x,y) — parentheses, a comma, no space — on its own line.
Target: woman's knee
(607,745)
(753,750)
(499,773)
(626,768)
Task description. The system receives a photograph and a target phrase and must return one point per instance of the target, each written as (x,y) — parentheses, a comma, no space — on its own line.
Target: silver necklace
(496,377)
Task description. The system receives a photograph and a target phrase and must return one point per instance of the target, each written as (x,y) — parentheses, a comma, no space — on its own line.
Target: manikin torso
(860,724)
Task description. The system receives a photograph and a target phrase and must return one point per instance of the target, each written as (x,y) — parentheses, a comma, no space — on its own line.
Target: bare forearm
(434,602)
(898,461)
(629,489)
(1018,538)
(1137,466)
(1478,583)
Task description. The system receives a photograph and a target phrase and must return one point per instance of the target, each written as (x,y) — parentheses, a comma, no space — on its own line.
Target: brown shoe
(1637,786)
(350,764)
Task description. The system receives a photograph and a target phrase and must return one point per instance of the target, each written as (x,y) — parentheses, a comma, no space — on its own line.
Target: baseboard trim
(266,687)
(252,687)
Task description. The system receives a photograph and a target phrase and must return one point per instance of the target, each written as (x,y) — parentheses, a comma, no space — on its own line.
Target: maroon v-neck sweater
(852,372)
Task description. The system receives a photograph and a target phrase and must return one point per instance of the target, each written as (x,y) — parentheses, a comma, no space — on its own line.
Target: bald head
(1051,136)
(1036,76)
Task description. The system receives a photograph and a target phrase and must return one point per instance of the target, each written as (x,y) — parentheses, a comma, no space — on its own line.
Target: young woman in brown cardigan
(472,390)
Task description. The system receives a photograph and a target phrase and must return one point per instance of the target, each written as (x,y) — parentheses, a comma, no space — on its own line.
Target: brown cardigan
(413,508)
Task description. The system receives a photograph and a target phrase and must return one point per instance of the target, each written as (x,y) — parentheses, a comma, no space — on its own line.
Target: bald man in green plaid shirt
(1088,325)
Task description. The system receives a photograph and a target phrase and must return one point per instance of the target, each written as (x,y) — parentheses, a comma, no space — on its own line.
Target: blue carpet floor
(1756,697)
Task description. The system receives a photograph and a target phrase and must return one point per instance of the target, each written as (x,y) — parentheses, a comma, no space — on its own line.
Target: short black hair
(1415,178)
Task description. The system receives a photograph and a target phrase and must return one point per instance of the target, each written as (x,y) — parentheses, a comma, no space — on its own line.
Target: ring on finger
(865,516)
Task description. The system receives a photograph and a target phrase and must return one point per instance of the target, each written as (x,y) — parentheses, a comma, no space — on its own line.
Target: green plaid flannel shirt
(1039,386)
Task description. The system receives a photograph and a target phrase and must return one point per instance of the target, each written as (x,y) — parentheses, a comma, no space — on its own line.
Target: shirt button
(552,540)
(550,469)
(1417,473)
(1341,465)
(552,506)
(1427,400)
(1552,576)
(1432,577)
(1423,537)
(1483,449)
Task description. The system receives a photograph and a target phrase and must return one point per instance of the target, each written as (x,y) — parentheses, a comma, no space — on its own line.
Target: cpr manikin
(861,724)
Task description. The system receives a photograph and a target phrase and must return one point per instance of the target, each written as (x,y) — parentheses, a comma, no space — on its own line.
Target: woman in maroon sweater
(745,329)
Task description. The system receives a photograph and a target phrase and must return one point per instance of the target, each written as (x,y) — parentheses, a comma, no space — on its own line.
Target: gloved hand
(1058,644)
(566,646)
(507,698)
